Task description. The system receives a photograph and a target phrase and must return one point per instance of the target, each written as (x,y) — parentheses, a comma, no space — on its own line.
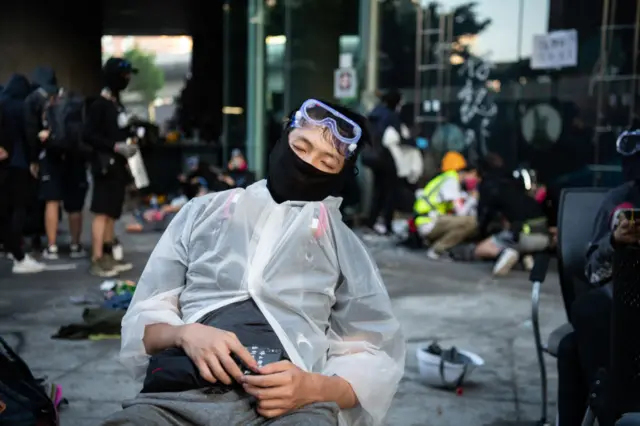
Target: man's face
(314,145)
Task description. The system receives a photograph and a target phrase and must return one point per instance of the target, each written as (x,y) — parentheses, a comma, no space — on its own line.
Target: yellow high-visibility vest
(428,201)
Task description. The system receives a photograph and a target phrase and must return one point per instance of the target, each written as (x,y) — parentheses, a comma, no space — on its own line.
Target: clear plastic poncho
(309,274)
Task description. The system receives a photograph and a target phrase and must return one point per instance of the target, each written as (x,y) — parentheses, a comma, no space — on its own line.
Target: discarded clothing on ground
(97,321)
(118,302)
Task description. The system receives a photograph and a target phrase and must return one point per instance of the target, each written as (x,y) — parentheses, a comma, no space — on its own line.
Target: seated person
(157,219)
(271,266)
(237,173)
(444,213)
(198,169)
(582,353)
(524,225)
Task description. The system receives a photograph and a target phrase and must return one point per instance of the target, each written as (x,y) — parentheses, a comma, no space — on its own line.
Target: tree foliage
(150,77)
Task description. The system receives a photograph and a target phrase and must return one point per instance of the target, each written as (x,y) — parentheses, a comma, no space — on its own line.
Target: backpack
(23,399)
(65,118)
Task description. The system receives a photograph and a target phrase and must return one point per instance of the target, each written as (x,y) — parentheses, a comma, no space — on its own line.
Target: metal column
(256,89)
(372,43)
(226,80)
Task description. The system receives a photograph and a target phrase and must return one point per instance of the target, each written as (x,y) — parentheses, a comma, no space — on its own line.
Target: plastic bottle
(154,202)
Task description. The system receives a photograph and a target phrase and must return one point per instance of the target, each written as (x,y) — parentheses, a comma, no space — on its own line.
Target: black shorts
(108,196)
(63,180)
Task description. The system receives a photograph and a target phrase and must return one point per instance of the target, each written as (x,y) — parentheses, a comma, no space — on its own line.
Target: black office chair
(624,374)
(576,214)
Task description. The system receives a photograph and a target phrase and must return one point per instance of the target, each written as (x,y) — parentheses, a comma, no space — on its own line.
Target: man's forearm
(334,389)
(158,337)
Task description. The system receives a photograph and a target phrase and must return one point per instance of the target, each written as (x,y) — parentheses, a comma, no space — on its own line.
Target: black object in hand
(263,356)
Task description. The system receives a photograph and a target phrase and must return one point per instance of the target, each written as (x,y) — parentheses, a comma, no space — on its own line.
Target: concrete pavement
(458,304)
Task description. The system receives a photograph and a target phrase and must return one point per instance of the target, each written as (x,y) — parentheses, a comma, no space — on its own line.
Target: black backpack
(23,400)
(65,118)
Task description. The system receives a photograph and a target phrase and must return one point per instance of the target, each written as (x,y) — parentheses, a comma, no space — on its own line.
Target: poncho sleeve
(367,347)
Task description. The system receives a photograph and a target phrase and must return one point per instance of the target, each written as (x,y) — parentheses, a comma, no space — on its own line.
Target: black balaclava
(290,178)
(115,73)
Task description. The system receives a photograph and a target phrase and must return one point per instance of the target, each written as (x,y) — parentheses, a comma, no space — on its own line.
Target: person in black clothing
(386,182)
(15,179)
(585,351)
(201,169)
(107,131)
(62,175)
(504,200)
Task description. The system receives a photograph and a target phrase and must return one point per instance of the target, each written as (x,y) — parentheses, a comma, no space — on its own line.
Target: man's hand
(280,388)
(43,135)
(227,179)
(34,169)
(210,349)
(3,154)
(626,232)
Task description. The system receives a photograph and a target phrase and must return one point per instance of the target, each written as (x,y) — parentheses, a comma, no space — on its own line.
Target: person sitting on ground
(198,169)
(582,353)
(237,173)
(157,219)
(444,211)
(271,269)
(524,225)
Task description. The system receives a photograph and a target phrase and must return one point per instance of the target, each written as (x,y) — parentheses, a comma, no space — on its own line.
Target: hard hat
(453,160)
(447,368)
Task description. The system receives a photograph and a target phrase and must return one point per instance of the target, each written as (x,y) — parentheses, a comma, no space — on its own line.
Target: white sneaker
(380,229)
(51,252)
(28,265)
(431,254)
(505,262)
(434,255)
(528,262)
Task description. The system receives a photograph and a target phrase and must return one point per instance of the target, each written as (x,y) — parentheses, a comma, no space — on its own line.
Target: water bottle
(154,202)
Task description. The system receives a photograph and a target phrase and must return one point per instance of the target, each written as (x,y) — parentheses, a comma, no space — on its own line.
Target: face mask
(117,82)
(292,179)
(470,184)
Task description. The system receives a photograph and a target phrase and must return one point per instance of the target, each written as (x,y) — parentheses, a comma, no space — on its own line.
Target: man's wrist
(318,384)
(178,335)
(331,389)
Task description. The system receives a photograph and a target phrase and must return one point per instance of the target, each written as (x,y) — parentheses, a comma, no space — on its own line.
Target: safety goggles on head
(628,142)
(345,131)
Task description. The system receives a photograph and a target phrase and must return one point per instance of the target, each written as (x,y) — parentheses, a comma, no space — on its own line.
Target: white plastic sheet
(308,273)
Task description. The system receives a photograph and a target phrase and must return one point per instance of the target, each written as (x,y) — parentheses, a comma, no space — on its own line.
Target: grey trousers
(197,408)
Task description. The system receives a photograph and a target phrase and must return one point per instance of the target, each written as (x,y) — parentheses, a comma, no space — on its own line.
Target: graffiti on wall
(477,108)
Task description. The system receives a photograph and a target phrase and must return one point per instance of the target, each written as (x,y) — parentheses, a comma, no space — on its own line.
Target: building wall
(34,33)
(495,111)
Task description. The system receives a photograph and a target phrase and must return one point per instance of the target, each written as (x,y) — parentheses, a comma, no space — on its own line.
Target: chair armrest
(629,419)
(540,268)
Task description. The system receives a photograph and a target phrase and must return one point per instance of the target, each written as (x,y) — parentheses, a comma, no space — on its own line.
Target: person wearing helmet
(270,272)
(107,131)
(444,211)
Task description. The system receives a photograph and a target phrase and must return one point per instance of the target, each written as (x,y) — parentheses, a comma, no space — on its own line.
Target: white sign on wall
(345,83)
(557,49)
